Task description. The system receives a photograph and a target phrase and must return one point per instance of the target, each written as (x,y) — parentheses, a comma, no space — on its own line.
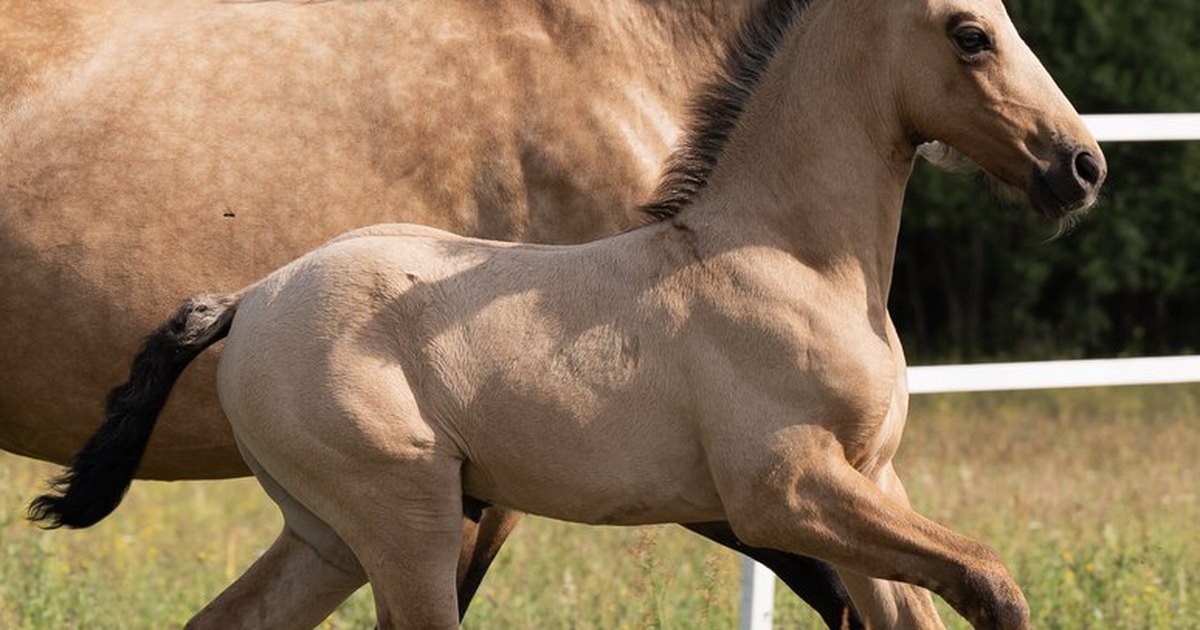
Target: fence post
(758,596)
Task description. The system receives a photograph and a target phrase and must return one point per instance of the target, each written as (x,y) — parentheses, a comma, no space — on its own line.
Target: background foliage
(976,278)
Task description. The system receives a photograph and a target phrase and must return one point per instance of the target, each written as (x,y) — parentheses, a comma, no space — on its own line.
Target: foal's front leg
(797,492)
(888,604)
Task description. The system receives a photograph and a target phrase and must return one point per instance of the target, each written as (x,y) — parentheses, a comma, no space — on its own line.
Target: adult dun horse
(732,361)
(156,149)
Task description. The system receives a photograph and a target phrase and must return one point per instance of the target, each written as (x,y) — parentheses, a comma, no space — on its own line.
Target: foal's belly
(587,499)
(619,473)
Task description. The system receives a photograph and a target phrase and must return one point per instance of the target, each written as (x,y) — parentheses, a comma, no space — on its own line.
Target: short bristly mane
(714,111)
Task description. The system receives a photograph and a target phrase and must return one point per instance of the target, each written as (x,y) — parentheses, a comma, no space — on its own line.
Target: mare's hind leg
(817,583)
(480,544)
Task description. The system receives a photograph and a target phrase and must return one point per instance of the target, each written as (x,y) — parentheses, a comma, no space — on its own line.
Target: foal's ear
(946,158)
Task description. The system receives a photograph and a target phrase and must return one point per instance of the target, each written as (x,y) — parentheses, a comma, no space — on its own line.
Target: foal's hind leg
(290,586)
(297,583)
(404,524)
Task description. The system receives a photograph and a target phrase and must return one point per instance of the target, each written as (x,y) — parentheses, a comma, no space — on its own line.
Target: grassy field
(1091,496)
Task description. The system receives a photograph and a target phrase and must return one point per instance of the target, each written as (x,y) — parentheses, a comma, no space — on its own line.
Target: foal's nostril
(1088,169)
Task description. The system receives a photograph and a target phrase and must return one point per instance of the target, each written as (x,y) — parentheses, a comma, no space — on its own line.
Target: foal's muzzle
(1071,184)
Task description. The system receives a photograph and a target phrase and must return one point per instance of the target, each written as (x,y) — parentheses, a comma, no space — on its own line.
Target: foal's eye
(972,41)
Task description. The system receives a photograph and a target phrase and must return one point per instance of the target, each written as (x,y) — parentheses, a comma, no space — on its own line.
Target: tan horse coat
(734,361)
(150,150)
(153,149)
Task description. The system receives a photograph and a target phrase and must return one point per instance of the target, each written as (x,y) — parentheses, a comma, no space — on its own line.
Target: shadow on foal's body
(732,361)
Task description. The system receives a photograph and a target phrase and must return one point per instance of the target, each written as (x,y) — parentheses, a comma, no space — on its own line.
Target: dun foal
(731,361)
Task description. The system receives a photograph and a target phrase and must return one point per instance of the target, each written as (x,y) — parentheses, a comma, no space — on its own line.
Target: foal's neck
(818,163)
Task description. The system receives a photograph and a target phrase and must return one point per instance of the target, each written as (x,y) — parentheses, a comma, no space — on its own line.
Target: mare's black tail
(101,473)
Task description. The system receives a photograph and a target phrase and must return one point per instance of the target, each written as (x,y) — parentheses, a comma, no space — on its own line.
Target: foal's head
(964,77)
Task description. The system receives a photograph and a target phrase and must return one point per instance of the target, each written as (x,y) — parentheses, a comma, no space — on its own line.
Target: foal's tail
(101,473)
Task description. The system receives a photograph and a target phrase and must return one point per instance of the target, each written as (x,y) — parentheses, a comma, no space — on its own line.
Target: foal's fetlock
(995,600)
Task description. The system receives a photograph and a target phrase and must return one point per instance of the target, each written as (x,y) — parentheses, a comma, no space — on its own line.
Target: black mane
(715,110)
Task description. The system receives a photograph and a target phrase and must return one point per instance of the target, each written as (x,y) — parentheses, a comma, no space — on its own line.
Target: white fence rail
(997,377)
(1144,127)
(758,583)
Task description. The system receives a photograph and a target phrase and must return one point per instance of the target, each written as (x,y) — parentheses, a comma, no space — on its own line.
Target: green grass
(1090,496)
